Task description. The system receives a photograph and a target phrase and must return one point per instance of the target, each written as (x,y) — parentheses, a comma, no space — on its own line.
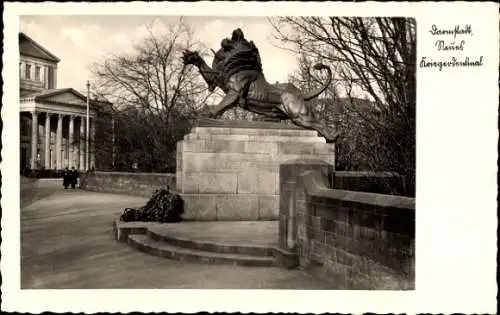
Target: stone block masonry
(230,171)
(365,241)
(139,184)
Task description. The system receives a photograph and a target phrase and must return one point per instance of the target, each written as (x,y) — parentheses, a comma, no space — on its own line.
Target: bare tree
(374,58)
(153,93)
(153,77)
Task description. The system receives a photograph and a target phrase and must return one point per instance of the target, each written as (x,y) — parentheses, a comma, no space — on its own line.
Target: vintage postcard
(249,157)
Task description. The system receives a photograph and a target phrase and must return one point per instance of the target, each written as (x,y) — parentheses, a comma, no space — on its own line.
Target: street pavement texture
(67,243)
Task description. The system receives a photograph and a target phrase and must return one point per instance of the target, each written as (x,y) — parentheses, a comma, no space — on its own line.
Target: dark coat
(66,178)
(74,177)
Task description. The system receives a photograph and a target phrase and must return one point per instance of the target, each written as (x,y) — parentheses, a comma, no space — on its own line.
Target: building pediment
(28,47)
(61,100)
(65,96)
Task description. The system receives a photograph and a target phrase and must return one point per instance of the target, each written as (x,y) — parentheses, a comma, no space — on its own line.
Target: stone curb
(261,251)
(162,249)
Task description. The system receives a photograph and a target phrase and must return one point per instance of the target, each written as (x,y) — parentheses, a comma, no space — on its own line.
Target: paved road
(67,242)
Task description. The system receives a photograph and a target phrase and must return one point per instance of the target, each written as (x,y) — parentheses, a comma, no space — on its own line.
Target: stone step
(162,249)
(159,234)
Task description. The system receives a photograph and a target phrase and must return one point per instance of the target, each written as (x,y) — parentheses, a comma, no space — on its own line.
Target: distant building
(52,120)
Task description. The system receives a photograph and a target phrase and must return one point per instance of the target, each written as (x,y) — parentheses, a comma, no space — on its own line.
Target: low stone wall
(139,184)
(41,182)
(364,241)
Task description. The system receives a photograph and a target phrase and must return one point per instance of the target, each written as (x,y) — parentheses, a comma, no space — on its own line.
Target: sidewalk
(67,242)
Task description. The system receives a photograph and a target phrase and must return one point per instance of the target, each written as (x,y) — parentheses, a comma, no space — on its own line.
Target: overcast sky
(80,40)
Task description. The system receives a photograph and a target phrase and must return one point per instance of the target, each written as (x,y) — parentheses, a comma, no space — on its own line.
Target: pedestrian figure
(74,177)
(66,178)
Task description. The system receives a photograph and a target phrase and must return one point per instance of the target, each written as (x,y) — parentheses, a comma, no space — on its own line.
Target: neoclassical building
(52,120)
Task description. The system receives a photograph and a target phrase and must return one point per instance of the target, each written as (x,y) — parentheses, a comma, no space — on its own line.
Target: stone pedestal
(229,170)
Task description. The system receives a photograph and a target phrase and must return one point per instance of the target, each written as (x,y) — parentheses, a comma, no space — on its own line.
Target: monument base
(230,207)
(229,170)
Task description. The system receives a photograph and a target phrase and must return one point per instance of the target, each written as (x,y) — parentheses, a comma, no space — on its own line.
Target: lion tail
(318,91)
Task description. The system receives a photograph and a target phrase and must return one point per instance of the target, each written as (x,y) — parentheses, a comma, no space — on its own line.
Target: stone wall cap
(133,173)
(366,174)
(305,161)
(314,183)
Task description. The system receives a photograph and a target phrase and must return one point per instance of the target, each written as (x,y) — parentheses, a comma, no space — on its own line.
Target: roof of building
(43,95)
(51,92)
(28,47)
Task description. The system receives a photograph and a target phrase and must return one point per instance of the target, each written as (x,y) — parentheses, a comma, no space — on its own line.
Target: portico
(53,130)
(53,121)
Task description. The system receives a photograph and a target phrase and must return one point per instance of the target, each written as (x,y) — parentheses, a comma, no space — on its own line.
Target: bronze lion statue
(237,71)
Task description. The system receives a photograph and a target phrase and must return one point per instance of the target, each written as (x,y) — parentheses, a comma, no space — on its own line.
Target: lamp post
(87,129)
(113,138)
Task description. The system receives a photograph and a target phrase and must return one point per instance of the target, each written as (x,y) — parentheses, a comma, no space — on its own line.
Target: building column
(59,141)
(46,77)
(76,147)
(47,140)
(55,78)
(34,139)
(92,144)
(70,141)
(53,155)
(81,141)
